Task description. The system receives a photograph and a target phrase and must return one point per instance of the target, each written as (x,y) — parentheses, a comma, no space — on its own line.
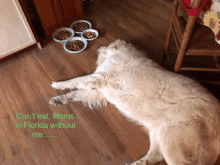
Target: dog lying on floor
(182,117)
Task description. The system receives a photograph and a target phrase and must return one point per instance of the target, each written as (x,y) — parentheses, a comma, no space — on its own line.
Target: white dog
(182,117)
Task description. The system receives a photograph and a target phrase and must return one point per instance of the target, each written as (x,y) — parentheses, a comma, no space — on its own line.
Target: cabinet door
(15,32)
(58,13)
(71,9)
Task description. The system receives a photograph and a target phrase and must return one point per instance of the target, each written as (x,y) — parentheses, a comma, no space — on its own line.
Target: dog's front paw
(142,162)
(56,101)
(58,85)
(55,85)
(139,162)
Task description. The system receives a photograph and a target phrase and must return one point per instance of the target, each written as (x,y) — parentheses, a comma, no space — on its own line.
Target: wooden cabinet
(15,31)
(57,13)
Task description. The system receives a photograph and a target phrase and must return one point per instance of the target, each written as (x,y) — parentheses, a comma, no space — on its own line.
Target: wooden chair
(191,39)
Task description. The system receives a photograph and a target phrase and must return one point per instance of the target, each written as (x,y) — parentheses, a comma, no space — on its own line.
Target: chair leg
(166,55)
(186,37)
(179,60)
(217,62)
(175,5)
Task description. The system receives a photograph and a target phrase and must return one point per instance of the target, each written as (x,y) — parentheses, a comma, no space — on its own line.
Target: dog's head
(105,51)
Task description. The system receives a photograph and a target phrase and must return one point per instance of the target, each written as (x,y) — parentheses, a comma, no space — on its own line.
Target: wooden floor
(100,137)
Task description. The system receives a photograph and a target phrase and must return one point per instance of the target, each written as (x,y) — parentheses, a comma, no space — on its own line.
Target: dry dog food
(63,35)
(89,35)
(80,26)
(75,45)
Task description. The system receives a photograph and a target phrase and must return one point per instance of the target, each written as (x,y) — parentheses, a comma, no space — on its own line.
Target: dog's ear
(111,45)
(111,50)
(119,44)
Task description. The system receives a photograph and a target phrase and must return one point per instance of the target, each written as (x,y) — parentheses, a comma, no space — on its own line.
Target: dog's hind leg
(84,82)
(153,156)
(188,144)
(93,98)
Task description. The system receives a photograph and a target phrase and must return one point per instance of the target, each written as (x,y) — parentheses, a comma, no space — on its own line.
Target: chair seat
(203,39)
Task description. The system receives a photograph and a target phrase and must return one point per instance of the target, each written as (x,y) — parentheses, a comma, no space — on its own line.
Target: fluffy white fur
(182,117)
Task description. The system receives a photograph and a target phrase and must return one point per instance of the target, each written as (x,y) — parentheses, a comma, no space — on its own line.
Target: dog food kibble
(80,26)
(63,35)
(89,35)
(75,45)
